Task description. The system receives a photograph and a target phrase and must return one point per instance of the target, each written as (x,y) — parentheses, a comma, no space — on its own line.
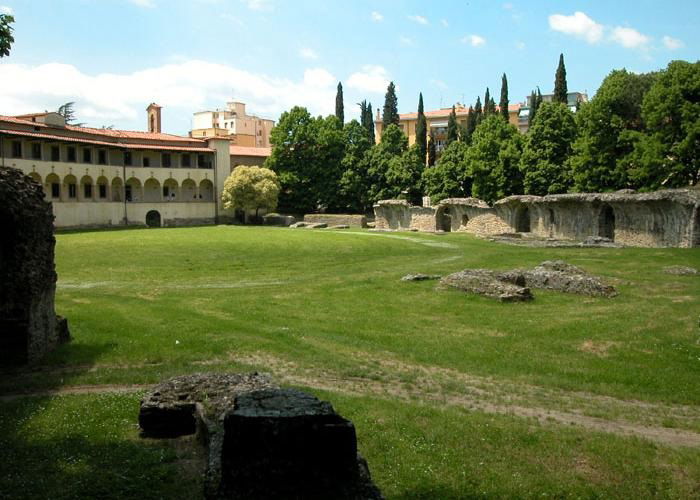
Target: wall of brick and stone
(337,219)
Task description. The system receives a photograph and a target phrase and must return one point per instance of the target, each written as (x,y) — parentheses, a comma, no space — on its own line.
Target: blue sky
(113,57)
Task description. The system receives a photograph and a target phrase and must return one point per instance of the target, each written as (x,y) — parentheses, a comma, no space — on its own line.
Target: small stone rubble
(515,285)
(262,442)
(421,277)
(681,270)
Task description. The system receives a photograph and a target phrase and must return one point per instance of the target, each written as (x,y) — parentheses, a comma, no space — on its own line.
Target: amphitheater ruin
(668,218)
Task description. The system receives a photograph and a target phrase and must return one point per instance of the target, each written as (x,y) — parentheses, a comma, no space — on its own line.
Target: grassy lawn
(453,396)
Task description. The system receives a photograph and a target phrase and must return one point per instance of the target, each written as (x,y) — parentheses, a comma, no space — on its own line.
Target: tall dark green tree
(487,102)
(6,38)
(561,91)
(390,113)
(544,161)
(339,106)
(535,101)
(432,149)
(370,123)
(452,129)
(469,127)
(421,130)
(354,183)
(450,177)
(492,106)
(503,103)
(478,112)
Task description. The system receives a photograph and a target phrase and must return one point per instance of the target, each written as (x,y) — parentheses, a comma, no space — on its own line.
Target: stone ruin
(668,218)
(262,441)
(29,327)
(515,285)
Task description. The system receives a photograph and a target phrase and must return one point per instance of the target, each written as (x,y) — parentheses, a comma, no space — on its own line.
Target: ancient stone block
(681,270)
(486,282)
(421,277)
(337,219)
(28,325)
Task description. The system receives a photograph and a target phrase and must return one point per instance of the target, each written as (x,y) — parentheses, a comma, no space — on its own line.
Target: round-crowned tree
(250,188)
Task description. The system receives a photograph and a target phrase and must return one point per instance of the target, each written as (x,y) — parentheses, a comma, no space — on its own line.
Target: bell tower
(153,111)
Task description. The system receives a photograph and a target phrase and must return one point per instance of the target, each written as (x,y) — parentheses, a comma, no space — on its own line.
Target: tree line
(640,131)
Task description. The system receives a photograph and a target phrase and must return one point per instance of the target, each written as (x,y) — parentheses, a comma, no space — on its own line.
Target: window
(186,160)
(146,161)
(102,157)
(87,191)
(71,190)
(127,192)
(203,162)
(103,190)
(55,153)
(166,192)
(36,151)
(71,154)
(167,163)
(127,158)
(87,155)
(16,149)
(55,190)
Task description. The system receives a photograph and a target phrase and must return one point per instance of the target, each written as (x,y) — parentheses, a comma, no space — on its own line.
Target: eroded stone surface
(563,277)
(421,277)
(681,270)
(28,324)
(486,282)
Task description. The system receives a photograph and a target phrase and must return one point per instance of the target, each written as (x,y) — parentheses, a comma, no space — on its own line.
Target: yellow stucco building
(104,177)
(234,123)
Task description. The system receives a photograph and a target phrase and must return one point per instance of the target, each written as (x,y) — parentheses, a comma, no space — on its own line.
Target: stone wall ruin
(29,327)
(668,218)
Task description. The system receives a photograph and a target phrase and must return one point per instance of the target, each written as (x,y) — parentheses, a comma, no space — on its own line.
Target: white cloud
(376,17)
(4,9)
(262,5)
(438,83)
(629,37)
(404,40)
(147,4)
(474,40)
(308,53)
(508,6)
(184,87)
(444,22)
(672,43)
(418,19)
(520,45)
(371,78)
(578,25)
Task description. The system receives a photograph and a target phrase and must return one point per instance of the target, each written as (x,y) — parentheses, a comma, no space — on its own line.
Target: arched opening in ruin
(206,190)
(522,220)
(695,240)
(606,222)
(552,223)
(189,190)
(153,218)
(117,189)
(443,219)
(465,220)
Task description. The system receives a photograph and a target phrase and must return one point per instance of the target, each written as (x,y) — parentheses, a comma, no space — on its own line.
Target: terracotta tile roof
(249,151)
(445,112)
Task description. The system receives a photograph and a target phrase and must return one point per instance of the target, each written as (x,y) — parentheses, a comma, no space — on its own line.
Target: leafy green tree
(503,103)
(432,151)
(535,102)
(561,92)
(452,129)
(339,106)
(493,159)
(487,103)
(250,188)
(421,130)
(547,149)
(668,155)
(67,111)
(390,112)
(6,38)
(608,128)
(394,170)
(354,182)
(306,155)
(450,177)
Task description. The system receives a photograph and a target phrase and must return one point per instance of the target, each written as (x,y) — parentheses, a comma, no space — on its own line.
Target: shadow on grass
(48,451)
(45,377)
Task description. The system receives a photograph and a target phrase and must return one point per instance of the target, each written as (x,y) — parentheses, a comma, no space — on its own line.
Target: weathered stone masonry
(669,218)
(29,327)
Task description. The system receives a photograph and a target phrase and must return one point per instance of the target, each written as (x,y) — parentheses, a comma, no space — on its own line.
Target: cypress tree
(492,107)
(478,113)
(535,101)
(560,88)
(370,123)
(390,112)
(470,127)
(339,106)
(503,103)
(432,152)
(452,128)
(487,101)
(421,130)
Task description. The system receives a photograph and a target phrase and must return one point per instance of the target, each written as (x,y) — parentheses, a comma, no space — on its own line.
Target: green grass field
(453,396)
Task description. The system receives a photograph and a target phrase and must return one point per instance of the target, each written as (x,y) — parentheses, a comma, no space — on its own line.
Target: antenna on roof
(440,100)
